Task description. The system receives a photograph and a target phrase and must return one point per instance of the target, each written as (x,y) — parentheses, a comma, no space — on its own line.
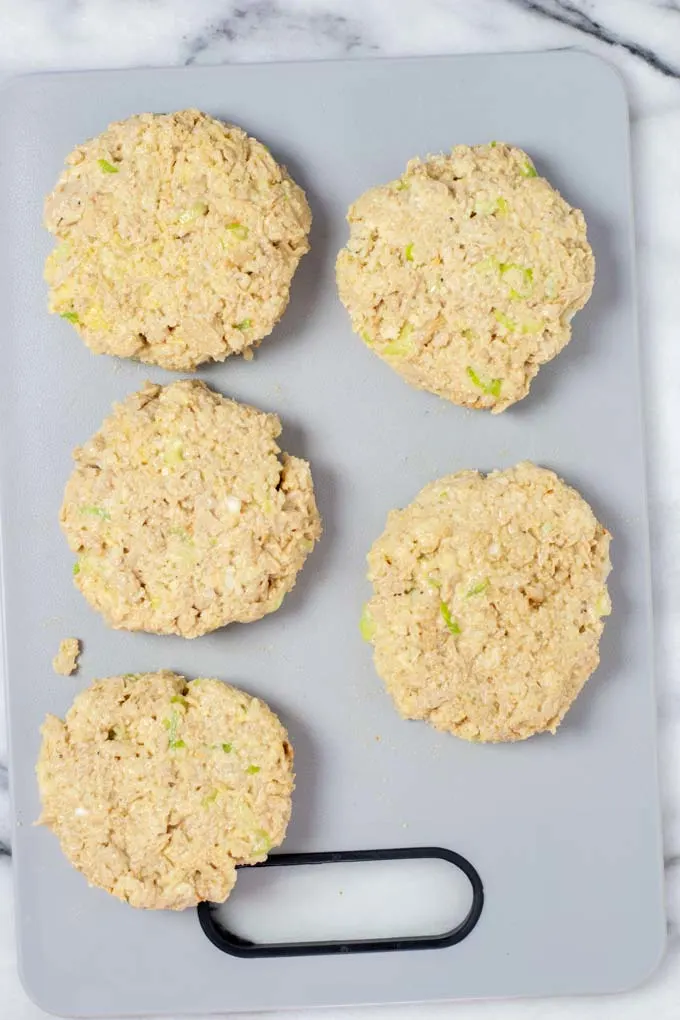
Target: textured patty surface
(464,274)
(157,788)
(489,594)
(184,515)
(179,237)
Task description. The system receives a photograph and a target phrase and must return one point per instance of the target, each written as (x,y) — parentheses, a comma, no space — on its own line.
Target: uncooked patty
(464,274)
(179,238)
(184,515)
(489,594)
(157,788)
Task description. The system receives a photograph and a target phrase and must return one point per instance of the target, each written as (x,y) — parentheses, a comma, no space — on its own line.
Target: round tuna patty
(157,788)
(464,274)
(489,594)
(184,515)
(179,238)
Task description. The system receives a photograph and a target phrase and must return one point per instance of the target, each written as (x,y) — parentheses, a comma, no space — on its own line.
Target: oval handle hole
(358,901)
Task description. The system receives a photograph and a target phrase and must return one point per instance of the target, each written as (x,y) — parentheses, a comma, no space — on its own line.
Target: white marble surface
(642,37)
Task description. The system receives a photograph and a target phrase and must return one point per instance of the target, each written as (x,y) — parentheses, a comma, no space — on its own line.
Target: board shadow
(308,282)
(612,659)
(587,324)
(303,827)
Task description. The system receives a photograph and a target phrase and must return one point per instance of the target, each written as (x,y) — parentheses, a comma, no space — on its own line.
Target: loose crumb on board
(65,662)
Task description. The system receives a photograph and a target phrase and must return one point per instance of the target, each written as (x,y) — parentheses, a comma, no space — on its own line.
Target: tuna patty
(157,787)
(489,594)
(179,237)
(464,274)
(184,515)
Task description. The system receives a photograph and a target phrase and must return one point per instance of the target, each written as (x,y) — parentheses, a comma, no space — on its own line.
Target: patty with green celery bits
(157,787)
(464,274)
(185,515)
(488,604)
(179,237)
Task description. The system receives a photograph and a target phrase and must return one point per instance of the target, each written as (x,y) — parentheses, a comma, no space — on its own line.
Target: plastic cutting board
(564,831)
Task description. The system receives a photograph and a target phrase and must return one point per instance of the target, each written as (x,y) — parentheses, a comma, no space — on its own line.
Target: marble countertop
(642,37)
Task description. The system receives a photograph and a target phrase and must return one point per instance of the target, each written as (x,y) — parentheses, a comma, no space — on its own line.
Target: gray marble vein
(342,35)
(577,16)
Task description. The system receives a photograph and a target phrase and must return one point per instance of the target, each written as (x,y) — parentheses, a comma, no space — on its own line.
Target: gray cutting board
(564,830)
